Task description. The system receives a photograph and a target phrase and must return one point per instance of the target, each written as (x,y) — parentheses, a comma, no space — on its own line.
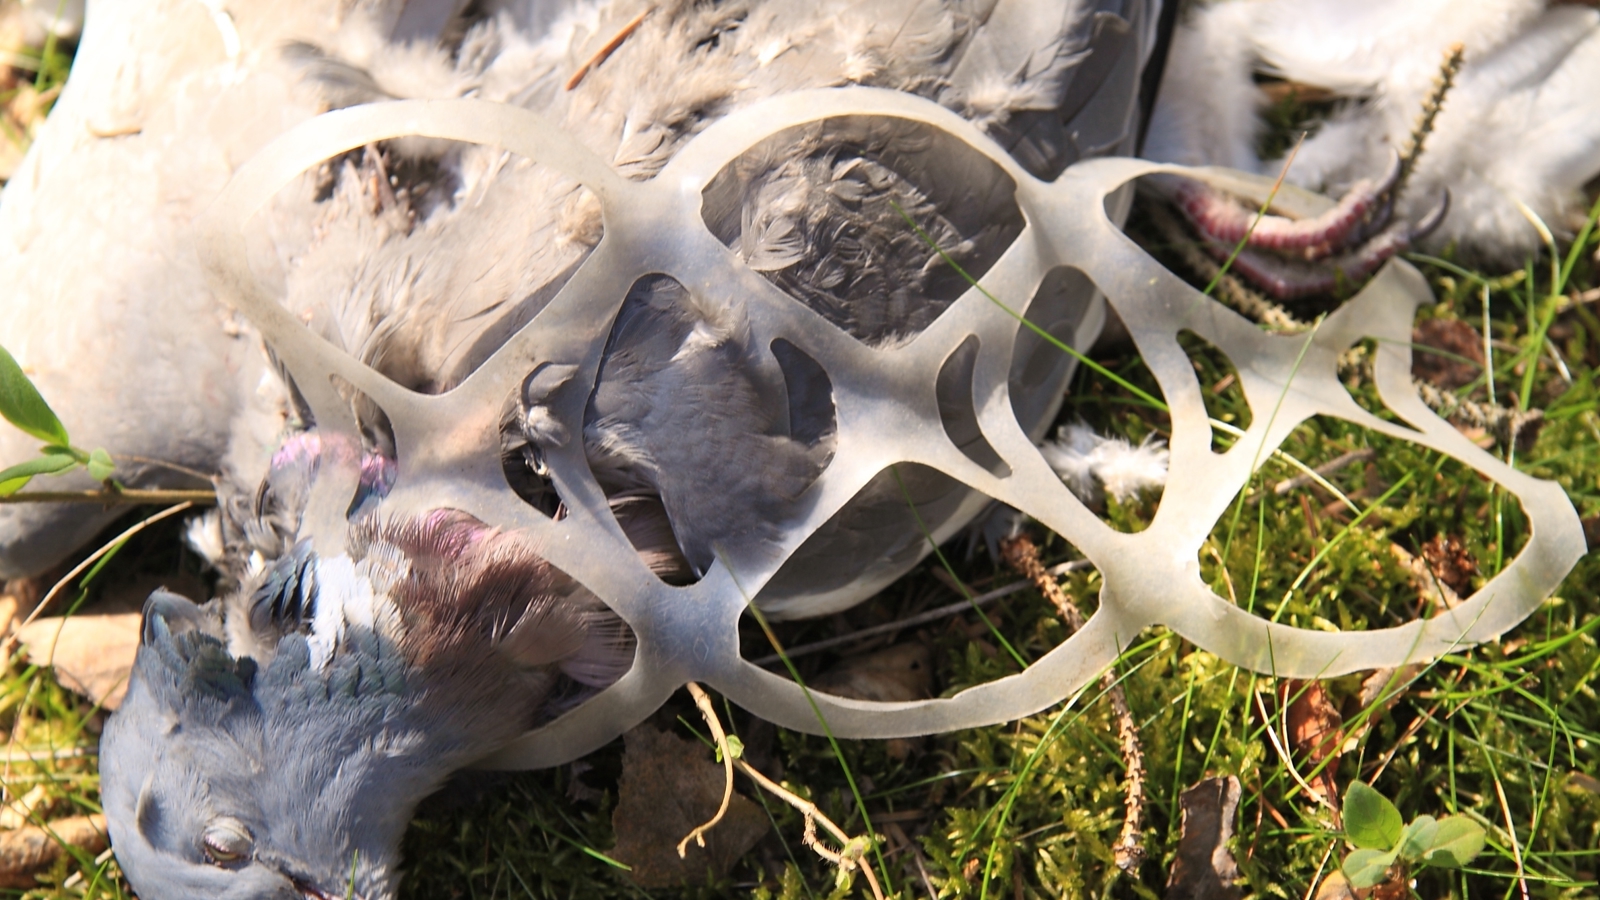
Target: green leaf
(735,747)
(100,464)
(1367,868)
(16,477)
(22,406)
(1370,821)
(1417,838)
(1457,841)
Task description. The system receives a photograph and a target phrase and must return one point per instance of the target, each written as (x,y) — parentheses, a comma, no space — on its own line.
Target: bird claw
(1294,258)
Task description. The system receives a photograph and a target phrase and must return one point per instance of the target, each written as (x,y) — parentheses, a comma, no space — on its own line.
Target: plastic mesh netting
(887,414)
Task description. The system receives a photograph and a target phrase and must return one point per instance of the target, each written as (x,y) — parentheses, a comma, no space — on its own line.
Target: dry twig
(1505,424)
(922,618)
(113,497)
(1430,111)
(847,858)
(710,713)
(1023,555)
(95,556)
(609,48)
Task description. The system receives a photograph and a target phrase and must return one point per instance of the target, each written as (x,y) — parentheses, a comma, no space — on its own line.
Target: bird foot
(1290,258)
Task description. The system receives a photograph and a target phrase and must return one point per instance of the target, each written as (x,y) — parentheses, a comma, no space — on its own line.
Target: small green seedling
(1373,824)
(23,407)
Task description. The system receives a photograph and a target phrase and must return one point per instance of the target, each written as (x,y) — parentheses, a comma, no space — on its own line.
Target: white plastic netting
(887,415)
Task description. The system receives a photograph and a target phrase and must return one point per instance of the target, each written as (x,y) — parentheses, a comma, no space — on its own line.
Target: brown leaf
(1453,337)
(1203,868)
(28,851)
(1315,734)
(18,597)
(901,672)
(92,655)
(1450,562)
(1337,887)
(670,786)
(1388,685)
(898,673)
(1580,781)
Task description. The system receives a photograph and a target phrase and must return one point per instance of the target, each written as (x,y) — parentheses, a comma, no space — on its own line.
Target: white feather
(1092,465)
(344,598)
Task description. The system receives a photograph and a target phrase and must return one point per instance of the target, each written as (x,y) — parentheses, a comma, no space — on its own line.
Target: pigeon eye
(226,841)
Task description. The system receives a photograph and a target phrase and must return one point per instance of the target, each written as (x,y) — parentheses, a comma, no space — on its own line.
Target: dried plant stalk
(1023,555)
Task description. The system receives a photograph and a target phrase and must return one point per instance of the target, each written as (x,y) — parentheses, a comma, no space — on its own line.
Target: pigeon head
(275,743)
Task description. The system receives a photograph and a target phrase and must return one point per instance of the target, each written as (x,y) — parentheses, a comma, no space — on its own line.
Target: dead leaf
(28,851)
(1431,590)
(1451,563)
(22,595)
(1203,868)
(1315,734)
(1391,680)
(1398,887)
(1582,782)
(669,786)
(91,655)
(1459,360)
(898,673)
(1373,688)
(1337,887)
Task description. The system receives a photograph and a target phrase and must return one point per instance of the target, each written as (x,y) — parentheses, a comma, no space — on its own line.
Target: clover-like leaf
(1417,838)
(22,405)
(735,747)
(1370,821)
(1457,841)
(16,477)
(100,464)
(1367,868)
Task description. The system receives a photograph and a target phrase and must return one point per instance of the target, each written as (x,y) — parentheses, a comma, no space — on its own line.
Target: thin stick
(932,615)
(848,858)
(610,48)
(1511,832)
(95,556)
(113,498)
(1503,423)
(1326,469)
(12,755)
(709,713)
(161,463)
(1023,555)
